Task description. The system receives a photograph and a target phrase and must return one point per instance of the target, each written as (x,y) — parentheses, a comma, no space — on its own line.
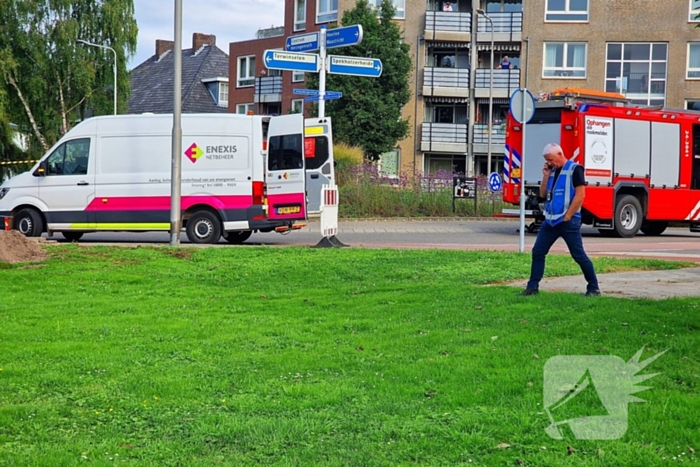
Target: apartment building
(648,51)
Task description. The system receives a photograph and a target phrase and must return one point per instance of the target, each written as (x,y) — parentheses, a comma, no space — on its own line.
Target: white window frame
(298,76)
(245,107)
(688,69)
(300,103)
(329,15)
(299,23)
(566,11)
(650,79)
(248,81)
(693,12)
(223,94)
(399,6)
(565,71)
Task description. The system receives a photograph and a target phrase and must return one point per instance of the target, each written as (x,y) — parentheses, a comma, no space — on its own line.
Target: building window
(300,15)
(566,10)
(693,71)
(244,108)
(694,11)
(399,6)
(564,59)
(637,71)
(297,106)
(327,10)
(692,104)
(503,6)
(246,71)
(223,94)
(447,113)
(298,76)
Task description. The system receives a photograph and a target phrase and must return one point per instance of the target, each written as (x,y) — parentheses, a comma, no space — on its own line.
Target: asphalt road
(675,243)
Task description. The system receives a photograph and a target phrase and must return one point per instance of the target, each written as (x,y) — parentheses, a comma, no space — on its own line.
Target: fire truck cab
(642,164)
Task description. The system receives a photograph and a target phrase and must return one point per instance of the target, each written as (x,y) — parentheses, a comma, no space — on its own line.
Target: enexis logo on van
(193,153)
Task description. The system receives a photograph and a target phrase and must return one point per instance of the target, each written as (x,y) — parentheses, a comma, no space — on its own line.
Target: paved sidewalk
(639,284)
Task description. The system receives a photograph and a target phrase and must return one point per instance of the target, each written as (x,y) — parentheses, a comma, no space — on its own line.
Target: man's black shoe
(528,292)
(592,293)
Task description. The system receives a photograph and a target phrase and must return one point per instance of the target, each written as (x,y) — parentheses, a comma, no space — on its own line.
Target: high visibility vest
(559,196)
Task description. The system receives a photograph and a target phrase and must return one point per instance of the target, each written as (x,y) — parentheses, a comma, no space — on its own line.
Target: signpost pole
(522,181)
(322,75)
(176,175)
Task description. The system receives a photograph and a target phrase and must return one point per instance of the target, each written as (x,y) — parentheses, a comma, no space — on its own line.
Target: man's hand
(547,169)
(567,217)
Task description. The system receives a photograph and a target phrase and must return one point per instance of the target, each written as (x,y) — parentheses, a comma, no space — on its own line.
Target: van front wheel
(29,223)
(203,227)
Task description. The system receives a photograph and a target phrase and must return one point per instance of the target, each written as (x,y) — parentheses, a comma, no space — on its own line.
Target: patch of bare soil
(16,248)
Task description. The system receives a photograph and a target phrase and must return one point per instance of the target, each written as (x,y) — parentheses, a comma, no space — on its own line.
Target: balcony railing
(266,85)
(502,23)
(502,79)
(481,134)
(448,21)
(454,133)
(446,77)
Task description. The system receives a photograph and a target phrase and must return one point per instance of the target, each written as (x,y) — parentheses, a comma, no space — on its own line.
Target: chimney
(163,46)
(199,39)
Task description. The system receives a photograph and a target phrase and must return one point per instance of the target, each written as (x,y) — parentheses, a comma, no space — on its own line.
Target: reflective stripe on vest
(554,210)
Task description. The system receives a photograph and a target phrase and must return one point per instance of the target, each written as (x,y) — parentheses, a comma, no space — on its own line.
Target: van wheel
(72,236)
(654,228)
(628,216)
(203,227)
(236,238)
(29,223)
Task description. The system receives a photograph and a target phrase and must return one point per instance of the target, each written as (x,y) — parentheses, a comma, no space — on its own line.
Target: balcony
(507,27)
(481,138)
(268,89)
(448,26)
(504,82)
(444,137)
(446,82)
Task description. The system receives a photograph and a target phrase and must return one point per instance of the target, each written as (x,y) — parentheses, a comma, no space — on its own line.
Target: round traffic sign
(495,182)
(522,111)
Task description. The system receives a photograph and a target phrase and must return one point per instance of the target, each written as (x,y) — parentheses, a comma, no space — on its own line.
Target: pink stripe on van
(162,203)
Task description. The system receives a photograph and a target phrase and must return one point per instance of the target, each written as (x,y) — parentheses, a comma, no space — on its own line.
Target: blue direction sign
(495,182)
(305,92)
(330,95)
(355,66)
(303,42)
(277,60)
(344,37)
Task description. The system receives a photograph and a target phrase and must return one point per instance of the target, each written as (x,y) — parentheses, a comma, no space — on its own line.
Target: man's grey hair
(552,148)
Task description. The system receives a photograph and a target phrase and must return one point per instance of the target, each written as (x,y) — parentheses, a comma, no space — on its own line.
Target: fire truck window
(286,152)
(695,185)
(321,155)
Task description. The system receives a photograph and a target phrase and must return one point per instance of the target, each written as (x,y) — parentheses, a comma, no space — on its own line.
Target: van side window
(320,155)
(286,152)
(70,158)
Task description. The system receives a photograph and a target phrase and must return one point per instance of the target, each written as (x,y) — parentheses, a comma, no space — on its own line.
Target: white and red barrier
(329,210)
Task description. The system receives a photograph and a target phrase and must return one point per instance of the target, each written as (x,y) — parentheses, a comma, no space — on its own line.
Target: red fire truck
(642,164)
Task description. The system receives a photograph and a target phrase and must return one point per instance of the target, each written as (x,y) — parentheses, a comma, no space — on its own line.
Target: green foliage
(369,113)
(257,356)
(348,159)
(50,80)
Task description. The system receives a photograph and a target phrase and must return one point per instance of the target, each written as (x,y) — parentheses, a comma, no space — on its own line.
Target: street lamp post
(114,66)
(490,121)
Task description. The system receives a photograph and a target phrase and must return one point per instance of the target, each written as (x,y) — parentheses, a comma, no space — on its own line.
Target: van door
(68,187)
(286,185)
(318,156)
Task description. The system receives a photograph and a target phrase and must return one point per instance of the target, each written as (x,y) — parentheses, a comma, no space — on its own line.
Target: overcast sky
(229,20)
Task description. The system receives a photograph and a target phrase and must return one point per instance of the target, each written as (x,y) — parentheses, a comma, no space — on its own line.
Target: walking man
(563,189)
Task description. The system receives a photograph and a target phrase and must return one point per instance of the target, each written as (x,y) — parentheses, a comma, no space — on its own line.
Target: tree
(369,113)
(49,79)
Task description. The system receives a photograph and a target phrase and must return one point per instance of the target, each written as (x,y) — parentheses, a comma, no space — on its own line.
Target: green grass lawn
(301,357)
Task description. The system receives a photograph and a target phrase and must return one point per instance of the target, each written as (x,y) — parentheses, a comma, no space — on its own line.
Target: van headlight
(3,192)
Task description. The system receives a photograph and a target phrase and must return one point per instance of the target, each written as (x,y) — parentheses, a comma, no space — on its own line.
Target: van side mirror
(42,169)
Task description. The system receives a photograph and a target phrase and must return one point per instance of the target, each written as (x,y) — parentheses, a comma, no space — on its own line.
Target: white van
(240,174)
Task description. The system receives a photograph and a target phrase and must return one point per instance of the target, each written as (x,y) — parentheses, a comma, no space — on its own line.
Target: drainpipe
(416,139)
(474,60)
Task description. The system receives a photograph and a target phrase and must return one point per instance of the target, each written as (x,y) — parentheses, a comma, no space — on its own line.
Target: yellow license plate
(289,210)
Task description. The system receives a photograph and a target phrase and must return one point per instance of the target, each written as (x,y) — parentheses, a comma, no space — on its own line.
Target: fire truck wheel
(29,223)
(203,227)
(236,238)
(628,216)
(654,228)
